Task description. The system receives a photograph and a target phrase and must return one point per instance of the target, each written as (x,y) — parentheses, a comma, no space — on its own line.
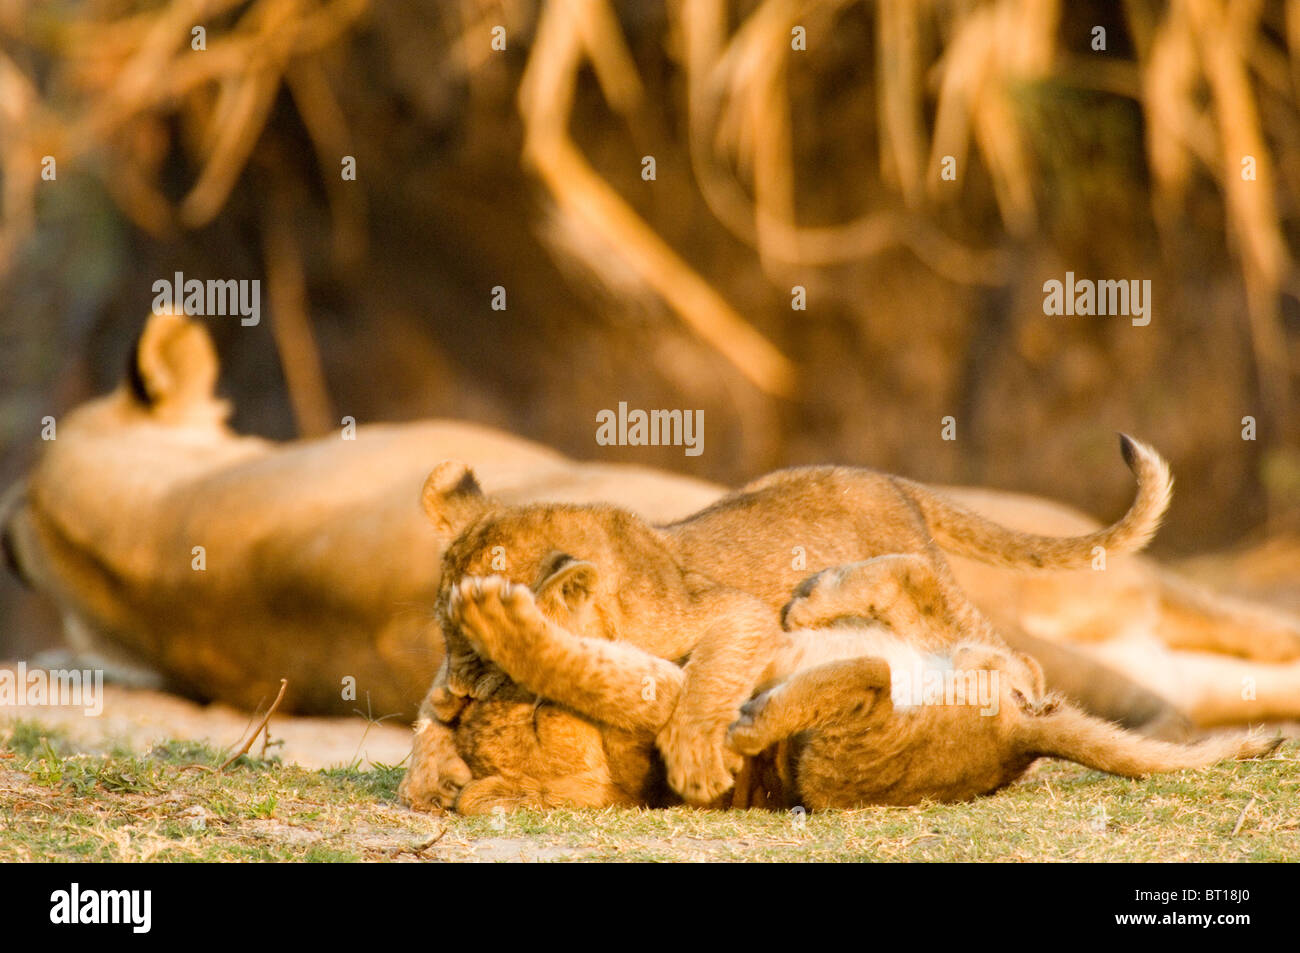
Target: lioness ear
(174,363)
(451,496)
(572,582)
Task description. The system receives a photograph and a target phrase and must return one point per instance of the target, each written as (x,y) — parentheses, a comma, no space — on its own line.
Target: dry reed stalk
(739,108)
(545,102)
(899,71)
(291,322)
(328,128)
(1211,79)
(1222,34)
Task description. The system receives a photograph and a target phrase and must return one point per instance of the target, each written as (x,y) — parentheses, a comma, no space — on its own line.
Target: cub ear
(570,583)
(1037,679)
(174,363)
(451,496)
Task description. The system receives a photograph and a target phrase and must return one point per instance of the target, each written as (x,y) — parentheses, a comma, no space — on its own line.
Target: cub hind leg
(914,595)
(856,688)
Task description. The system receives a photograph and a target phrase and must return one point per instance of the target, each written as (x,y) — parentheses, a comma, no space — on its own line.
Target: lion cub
(577,730)
(873,697)
(707,590)
(521,749)
(909,709)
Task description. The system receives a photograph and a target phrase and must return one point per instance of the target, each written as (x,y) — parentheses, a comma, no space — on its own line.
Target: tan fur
(320,564)
(1183,645)
(853,745)
(708,588)
(824,732)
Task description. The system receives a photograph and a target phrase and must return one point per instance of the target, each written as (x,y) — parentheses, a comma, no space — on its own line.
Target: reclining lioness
(708,589)
(319,565)
(841,719)
(227,562)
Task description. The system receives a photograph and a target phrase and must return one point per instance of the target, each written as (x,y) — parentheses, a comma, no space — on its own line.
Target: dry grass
(59,804)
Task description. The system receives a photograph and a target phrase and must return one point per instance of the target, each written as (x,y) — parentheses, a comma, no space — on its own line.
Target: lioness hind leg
(1196,619)
(1210,689)
(1229,691)
(855,688)
(610,682)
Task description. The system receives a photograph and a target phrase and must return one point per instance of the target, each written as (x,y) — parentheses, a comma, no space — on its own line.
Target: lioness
(709,588)
(829,727)
(227,562)
(319,564)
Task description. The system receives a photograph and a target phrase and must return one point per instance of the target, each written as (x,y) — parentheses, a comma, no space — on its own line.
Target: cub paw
(444,703)
(810,606)
(470,676)
(700,767)
(485,611)
(746,736)
(496,795)
(492,615)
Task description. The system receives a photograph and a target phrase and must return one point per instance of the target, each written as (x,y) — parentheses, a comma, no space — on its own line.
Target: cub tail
(1065,732)
(963,532)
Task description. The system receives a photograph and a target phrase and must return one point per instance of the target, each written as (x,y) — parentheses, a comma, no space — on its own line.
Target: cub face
(512,749)
(586,564)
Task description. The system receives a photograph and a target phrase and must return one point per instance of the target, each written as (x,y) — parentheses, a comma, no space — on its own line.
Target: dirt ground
(138,720)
